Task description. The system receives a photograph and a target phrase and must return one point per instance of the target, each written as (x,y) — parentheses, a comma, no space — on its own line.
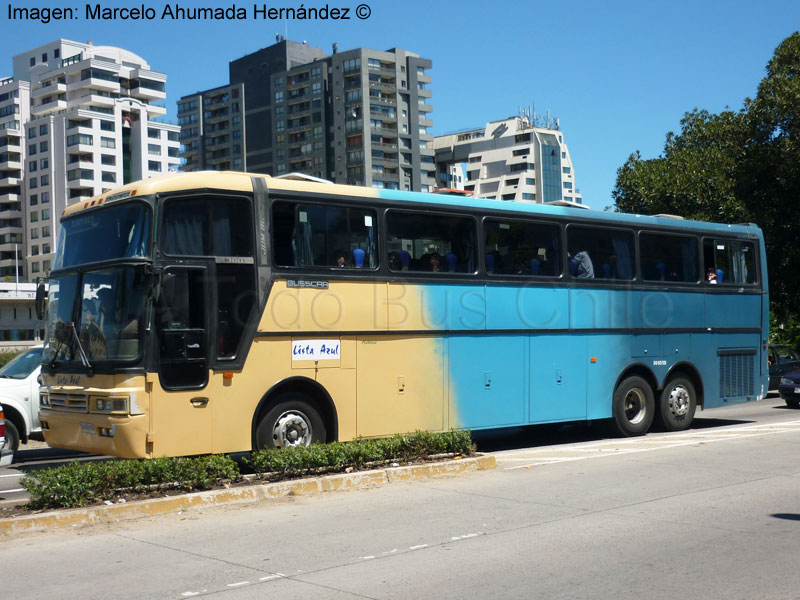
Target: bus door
(182,406)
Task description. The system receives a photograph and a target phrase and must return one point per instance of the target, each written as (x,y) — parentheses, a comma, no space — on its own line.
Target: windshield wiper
(61,336)
(84,359)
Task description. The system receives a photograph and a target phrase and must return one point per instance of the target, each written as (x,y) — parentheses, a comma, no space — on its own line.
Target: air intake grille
(736,373)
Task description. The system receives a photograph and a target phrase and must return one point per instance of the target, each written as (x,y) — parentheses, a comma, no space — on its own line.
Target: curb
(241,495)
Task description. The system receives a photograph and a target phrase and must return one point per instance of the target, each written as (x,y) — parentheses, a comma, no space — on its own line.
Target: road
(711,513)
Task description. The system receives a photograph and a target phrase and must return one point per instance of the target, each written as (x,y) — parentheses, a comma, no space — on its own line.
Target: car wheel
(633,407)
(677,404)
(793,403)
(12,438)
(294,421)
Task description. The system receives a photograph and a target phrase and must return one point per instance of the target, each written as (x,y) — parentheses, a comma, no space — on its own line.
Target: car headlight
(117,405)
(786,381)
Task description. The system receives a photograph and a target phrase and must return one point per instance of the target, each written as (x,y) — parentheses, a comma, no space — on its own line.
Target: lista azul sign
(315,349)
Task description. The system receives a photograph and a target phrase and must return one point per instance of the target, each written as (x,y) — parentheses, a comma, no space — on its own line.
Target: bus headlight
(44,400)
(117,405)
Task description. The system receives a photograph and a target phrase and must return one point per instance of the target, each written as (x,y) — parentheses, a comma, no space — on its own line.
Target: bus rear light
(2,424)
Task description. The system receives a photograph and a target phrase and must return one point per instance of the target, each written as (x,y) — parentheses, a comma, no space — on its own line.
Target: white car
(5,453)
(19,396)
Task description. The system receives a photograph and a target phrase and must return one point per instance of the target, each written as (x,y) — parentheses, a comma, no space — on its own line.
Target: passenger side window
(668,257)
(310,235)
(424,242)
(596,253)
(519,248)
(730,262)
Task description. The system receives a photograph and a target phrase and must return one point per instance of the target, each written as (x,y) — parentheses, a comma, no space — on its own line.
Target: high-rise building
(359,117)
(512,159)
(79,120)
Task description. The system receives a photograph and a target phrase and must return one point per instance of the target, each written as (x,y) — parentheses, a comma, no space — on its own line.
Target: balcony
(154,110)
(8,197)
(94,83)
(11,162)
(144,93)
(6,179)
(10,214)
(47,90)
(51,107)
(96,100)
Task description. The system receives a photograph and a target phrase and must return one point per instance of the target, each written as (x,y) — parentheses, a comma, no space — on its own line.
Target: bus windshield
(97,314)
(119,231)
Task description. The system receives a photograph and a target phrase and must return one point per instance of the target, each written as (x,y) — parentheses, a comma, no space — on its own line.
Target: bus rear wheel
(677,404)
(293,421)
(633,407)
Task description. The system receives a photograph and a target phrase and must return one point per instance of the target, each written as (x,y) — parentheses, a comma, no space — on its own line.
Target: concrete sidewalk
(239,495)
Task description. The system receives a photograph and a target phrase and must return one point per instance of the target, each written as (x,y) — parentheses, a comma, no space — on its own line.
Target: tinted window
(433,243)
(668,257)
(519,248)
(306,235)
(207,226)
(596,253)
(730,261)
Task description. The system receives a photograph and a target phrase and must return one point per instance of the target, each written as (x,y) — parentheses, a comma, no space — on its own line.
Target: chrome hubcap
(679,401)
(635,406)
(291,429)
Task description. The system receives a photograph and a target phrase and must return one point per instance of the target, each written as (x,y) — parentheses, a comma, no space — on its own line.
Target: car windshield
(118,231)
(23,365)
(107,321)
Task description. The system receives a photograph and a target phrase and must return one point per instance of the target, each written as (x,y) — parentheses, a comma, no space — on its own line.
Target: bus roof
(239,181)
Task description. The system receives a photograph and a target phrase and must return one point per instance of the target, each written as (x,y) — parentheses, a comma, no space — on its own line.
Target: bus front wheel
(633,408)
(292,422)
(677,404)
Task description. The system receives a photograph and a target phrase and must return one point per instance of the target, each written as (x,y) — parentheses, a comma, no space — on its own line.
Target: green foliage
(274,463)
(736,167)
(84,483)
(7,357)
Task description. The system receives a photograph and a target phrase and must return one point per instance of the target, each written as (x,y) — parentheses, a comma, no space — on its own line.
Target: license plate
(88,428)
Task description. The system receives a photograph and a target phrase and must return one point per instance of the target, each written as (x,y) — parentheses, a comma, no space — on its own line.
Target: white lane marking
(16,490)
(689,440)
(366,557)
(275,576)
(390,551)
(237,584)
(418,547)
(190,594)
(12,475)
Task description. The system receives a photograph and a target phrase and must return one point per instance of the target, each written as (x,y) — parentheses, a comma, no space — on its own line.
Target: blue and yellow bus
(221,312)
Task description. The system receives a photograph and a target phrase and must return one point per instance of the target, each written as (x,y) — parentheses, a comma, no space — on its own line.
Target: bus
(222,312)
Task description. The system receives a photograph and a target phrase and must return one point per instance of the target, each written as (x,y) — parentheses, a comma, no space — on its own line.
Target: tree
(736,167)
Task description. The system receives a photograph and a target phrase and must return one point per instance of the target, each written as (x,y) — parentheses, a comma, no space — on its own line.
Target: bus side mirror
(41,298)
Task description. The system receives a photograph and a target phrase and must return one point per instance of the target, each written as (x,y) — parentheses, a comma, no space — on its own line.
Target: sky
(618,75)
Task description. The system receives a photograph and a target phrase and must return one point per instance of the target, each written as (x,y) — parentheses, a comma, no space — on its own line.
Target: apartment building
(512,160)
(359,117)
(89,120)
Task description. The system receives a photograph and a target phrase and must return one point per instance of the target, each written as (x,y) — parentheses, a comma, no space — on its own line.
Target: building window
(43,146)
(107,125)
(109,177)
(35,233)
(46,231)
(45,214)
(46,248)
(154,149)
(45,197)
(44,163)
(34,250)
(32,166)
(108,142)
(278,96)
(33,183)
(154,133)
(44,180)
(42,129)
(33,61)
(32,149)
(154,165)
(34,217)
(33,199)
(108,159)
(35,267)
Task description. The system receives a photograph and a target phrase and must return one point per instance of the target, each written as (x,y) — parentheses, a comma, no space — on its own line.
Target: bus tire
(293,421)
(633,407)
(677,404)
(12,438)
